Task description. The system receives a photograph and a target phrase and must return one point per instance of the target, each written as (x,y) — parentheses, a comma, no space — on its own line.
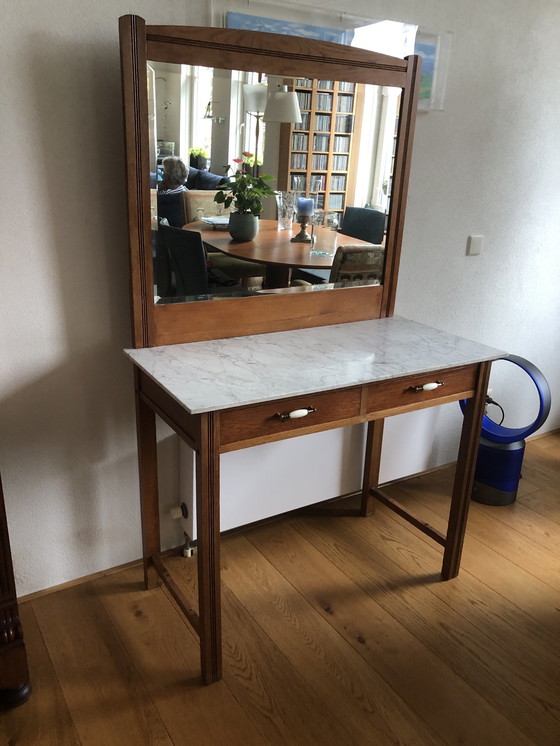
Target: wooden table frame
(213,433)
(273,248)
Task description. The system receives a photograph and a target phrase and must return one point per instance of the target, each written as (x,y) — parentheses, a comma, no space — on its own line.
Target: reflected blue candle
(305,206)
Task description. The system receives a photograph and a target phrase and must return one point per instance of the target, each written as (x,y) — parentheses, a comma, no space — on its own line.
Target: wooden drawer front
(261,420)
(397,394)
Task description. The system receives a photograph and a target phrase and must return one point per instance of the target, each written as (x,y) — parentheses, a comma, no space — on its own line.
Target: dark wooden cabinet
(14,676)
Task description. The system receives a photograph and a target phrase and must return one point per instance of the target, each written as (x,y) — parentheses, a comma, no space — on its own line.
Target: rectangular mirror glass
(339,155)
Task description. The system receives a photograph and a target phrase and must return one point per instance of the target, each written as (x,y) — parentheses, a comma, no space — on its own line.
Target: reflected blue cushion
(198,179)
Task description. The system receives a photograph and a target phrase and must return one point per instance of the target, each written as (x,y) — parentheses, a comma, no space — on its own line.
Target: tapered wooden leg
(149,497)
(277,276)
(464,476)
(371,466)
(14,676)
(208,548)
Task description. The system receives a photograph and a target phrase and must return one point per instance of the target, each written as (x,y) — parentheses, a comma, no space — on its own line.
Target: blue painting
(275,26)
(428,51)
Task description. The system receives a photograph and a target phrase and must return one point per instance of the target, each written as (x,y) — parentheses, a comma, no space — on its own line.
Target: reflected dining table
(273,247)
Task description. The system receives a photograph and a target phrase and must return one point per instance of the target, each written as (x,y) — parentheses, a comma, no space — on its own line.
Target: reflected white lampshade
(282,106)
(255,97)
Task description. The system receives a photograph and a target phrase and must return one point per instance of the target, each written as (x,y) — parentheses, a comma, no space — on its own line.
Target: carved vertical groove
(10,625)
(133,72)
(208,555)
(14,675)
(7,584)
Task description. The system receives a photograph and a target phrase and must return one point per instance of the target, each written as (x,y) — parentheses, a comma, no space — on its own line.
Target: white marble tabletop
(225,373)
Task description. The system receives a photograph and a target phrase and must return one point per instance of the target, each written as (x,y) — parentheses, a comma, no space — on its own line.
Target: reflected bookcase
(322,148)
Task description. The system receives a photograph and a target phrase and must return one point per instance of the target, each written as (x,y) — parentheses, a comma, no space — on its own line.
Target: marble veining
(225,373)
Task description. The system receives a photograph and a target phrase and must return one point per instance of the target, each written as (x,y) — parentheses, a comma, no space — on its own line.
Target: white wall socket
(474,245)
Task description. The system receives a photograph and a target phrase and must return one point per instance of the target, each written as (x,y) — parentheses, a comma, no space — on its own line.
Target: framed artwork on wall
(434,48)
(293,28)
(295,19)
(314,22)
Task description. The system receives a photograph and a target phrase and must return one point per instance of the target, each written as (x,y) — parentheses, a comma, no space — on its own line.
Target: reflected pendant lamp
(282,106)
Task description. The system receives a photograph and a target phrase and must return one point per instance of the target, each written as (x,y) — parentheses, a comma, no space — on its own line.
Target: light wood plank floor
(336,631)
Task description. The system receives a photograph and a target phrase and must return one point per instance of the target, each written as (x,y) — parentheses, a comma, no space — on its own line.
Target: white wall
(168,104)
(489,163)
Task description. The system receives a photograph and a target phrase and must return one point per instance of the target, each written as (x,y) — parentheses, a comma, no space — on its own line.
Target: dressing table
(235,373)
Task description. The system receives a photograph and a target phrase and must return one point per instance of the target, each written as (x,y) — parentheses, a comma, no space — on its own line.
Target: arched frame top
(275,55)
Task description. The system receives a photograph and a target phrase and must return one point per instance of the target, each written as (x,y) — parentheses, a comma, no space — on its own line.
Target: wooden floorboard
(489,558)
(44,719)
(336,631)
(443,625)
(284,707)
(374,713)
(166,655)
(383,640)
(101,686)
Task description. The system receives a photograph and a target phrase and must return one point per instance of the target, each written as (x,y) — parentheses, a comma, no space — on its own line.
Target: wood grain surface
(336,631)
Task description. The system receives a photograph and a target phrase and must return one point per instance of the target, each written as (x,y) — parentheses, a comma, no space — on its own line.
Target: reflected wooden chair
(354,263)
(200,199)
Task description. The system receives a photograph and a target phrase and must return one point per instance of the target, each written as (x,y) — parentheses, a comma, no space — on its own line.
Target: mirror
(207,117)
(350,174)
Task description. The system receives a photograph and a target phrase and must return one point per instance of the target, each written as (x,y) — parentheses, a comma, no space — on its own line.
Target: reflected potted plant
(246,192)
(198,158)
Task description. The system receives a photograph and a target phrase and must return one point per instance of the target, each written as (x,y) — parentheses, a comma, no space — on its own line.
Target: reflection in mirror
(340,156)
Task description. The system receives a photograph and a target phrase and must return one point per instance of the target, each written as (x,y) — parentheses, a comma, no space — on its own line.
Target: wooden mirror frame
(276,55)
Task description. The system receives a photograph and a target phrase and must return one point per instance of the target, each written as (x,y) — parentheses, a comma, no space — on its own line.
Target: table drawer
(401,395)
(262,421)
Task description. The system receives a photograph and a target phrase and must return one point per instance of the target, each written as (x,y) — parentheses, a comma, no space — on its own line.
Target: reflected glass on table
(324,233)
(286,203)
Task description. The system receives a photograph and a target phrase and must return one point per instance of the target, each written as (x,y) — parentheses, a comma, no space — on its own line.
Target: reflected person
(174,175)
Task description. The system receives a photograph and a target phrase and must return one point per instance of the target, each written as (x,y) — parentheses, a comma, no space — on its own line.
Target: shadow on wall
(69,460)
(68,436)
(80,177)
(70,469)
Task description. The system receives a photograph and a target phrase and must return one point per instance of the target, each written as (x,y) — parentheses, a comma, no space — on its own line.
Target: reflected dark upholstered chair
(169,245)
(187,260)
(189,272)
(162,267)
(172,207)
(364,224)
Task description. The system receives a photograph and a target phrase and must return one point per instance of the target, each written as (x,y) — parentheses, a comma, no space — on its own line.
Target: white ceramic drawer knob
(295,414)
(427,386)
